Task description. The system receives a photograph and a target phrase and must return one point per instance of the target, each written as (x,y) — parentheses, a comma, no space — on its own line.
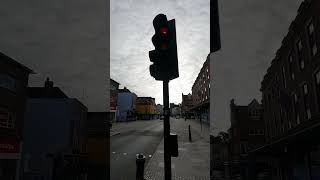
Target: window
(284,77)
(300,57)
(305,89)
(298,118)
(7,119)
(294,112)
(306,103)
(296,108)
(251,132)
(243,148)
(261,132)
(258,132)
(308,114)
(312,38)
(317,79)
(289,123)
(291,72)
(8,82)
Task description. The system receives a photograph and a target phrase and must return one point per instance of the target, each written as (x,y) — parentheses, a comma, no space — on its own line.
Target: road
(135,137)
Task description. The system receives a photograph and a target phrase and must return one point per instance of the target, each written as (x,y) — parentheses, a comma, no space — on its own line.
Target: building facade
(175,110)
(98,145)
(13,94)
(126,105)
(220,156)
(186,105)
(201,93)
(159,110)
(55,136)
(146,108)
(291,100)
(246,133)
(114,90)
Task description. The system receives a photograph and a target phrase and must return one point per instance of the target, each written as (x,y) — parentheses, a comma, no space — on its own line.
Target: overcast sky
(68,41)
(65,40)
(131,32)
(251,33)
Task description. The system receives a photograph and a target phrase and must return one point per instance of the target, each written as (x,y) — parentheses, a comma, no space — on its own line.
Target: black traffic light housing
(164,57)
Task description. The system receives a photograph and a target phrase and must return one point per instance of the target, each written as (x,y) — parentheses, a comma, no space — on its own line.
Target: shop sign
(9,146)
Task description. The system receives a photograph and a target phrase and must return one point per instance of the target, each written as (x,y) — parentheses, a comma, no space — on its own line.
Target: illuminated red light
(164,30)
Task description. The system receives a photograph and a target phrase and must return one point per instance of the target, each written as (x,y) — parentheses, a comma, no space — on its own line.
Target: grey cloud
(251,32)
(131,32)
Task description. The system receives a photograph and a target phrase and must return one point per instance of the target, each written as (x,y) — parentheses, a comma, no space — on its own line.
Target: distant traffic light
(164,57)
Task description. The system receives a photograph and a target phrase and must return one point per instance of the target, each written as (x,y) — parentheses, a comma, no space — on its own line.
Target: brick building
(186,105)
(146,108)
(13,94)
(114,89)
(246,133)
(220,156)
(201,92)
(291,100)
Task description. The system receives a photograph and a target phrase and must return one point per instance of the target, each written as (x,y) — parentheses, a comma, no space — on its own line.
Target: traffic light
(164,57)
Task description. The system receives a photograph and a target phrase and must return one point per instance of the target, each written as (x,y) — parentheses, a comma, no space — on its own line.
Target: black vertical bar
(215,43)
(166,131)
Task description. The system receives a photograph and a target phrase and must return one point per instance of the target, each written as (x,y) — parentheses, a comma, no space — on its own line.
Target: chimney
(48,83)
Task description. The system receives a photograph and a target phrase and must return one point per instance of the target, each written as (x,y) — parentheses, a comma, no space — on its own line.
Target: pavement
(129,139)
(193,162)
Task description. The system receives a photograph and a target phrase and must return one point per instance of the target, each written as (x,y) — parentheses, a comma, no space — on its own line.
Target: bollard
(140,160)
(190,134)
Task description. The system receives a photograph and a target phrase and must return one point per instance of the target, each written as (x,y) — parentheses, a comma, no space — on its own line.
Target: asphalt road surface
(138,137)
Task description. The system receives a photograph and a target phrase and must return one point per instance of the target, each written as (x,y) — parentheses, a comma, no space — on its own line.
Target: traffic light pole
(166,131)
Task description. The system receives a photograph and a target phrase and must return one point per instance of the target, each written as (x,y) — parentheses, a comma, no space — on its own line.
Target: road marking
(124,153)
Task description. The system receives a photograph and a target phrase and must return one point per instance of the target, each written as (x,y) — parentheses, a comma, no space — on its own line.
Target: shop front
(9,159)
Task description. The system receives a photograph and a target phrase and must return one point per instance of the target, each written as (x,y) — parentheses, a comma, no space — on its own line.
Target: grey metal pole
(166,131)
